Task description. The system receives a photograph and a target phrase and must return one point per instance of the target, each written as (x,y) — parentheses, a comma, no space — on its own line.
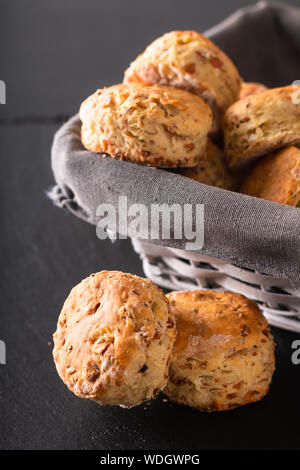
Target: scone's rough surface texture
(212,169)
(153,125)
(223,355)
(261,123)
(251,88)
(114,339)
(188,60)
(276,178)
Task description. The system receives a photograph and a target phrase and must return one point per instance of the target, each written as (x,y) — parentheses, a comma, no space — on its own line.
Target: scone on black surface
(190,61)
(261,123)
(276,177)
(153,125)
(114,339)
(223,355)
(212,169)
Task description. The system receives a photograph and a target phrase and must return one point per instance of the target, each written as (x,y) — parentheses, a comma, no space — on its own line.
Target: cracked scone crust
(212,169)
(276,178)
(223,355)
(261,123)
(188,60)
(114,339)
(153,125)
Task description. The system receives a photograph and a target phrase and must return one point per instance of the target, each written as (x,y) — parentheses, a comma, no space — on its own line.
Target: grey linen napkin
(264,42)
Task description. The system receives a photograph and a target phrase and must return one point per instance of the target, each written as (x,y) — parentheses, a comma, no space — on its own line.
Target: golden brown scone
(261,123)
(276,178)
(153,125)
(114,339)
(223,355)
(251,88)
(188,60)
(212,169)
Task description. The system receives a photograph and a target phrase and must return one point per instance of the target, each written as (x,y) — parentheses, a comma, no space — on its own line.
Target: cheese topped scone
(262,122)
(188,60)
(223,355)
(154,125)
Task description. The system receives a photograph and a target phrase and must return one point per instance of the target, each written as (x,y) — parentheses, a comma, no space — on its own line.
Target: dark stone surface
(55,53)
(45,251)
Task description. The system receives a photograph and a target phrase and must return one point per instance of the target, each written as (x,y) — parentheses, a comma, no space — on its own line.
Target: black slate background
(53,54)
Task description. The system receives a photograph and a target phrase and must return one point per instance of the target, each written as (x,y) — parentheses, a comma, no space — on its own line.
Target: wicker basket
(175,269)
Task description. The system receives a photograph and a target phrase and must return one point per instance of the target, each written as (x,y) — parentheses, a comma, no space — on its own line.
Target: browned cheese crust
(223,355)
(153,125)
(190,61)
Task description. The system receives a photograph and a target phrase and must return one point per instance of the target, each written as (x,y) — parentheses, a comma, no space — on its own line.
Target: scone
(188,60)
(276,178)
(212,169)
(153,125)
(251,88)
(114,339)
(223,355)
(261,123)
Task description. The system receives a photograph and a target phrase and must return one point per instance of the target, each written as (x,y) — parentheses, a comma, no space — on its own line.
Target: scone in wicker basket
(246,237)
(177,269)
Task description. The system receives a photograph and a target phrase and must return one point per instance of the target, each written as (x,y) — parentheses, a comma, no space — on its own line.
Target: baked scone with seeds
(114,339)
(154,125)
(262,122)
(276,177)
(223,355)
(251,88)
(190,61)
(212,169)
